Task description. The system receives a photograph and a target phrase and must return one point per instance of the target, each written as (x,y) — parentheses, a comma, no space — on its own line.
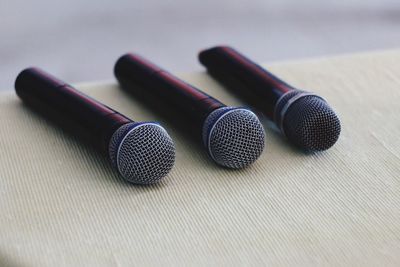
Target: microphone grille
(309,122)
(234,137)
(143,153)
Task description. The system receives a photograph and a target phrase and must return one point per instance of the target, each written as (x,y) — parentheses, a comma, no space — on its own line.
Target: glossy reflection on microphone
(142,152)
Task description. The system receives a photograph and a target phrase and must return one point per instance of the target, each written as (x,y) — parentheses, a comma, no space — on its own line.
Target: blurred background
(80,40)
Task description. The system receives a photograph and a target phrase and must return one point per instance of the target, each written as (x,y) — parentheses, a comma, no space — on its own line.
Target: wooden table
(63,205)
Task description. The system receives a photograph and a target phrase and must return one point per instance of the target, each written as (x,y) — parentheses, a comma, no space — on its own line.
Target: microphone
(142,152)
(233,136)
(304,118)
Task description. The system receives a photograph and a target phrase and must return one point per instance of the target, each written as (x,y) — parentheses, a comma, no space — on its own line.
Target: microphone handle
(146,80)
(253,83)
(69,108)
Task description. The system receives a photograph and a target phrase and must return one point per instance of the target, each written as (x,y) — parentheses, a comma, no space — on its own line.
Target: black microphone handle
(145,79)
(69,108)
(253,83)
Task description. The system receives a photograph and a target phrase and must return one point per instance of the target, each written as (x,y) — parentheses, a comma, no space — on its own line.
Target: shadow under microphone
(304,118)
(142,152)
(233,136)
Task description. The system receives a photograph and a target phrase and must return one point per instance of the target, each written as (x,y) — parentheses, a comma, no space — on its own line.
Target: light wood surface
(62,205)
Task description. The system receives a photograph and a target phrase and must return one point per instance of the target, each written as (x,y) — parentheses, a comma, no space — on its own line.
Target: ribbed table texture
(61,204)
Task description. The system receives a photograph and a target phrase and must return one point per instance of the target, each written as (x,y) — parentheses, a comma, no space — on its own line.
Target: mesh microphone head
(307,120)
(234,137)
(143,153)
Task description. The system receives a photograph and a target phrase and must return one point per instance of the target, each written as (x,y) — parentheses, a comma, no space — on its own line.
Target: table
(61,204)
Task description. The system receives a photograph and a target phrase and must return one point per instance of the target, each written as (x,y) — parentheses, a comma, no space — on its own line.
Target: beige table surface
(62,205)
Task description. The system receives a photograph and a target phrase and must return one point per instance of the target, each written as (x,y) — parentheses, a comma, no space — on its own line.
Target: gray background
(80,40)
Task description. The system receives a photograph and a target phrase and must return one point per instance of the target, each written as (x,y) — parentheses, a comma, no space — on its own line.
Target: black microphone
(304,118)
(233,137)
(142,152)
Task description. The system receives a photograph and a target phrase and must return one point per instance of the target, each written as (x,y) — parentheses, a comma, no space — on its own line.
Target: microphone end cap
(308,121)
(234,137)
(143,153)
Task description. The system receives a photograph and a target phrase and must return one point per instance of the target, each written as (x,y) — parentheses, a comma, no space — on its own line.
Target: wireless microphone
(233,137)
(304,118)
(142,152)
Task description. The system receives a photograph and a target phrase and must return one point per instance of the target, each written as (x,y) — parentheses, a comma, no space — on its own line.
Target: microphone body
(304,118)
(150,80)
(109,131)
(213,121)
